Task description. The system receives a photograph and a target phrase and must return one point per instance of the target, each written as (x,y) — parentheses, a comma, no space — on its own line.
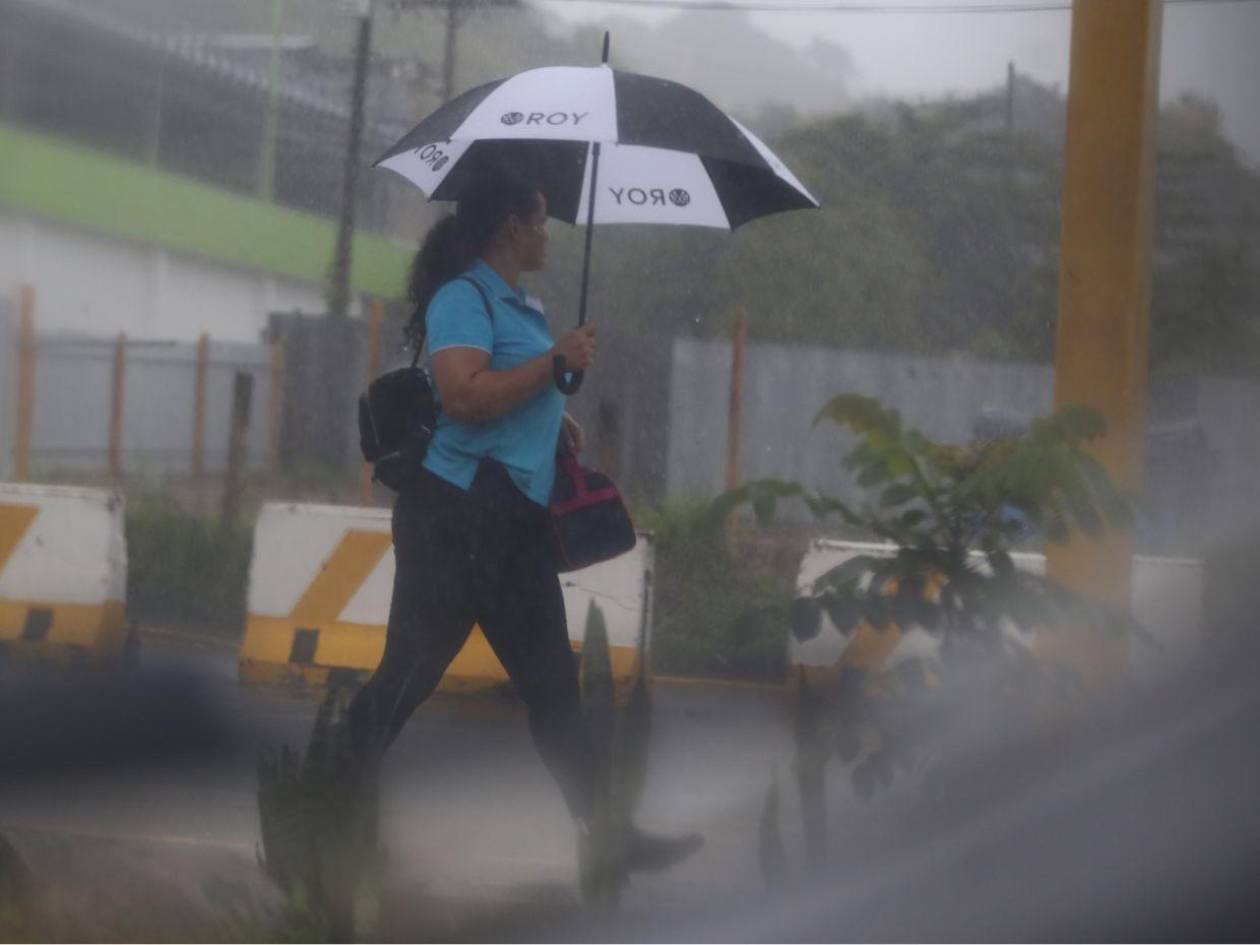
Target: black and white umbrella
(605,146)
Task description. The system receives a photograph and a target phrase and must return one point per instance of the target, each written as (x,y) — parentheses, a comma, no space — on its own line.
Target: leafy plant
(319,817)
(951,516)
(720,608)
(184,570)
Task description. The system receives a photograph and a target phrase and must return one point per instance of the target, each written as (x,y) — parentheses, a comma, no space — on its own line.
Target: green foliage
(719,610)
(936,235)
(954,513)
(319,817)
(184,570)
(597,681)
(951,515)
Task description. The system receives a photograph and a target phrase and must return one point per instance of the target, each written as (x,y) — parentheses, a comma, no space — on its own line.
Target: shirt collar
(495,283)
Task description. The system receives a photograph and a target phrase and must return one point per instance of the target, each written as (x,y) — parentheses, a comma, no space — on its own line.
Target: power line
(870,7)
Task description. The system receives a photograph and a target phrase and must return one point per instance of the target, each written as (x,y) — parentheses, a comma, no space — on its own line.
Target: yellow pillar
(1105,280)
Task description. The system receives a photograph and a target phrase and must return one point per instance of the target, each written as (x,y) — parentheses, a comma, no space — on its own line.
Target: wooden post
(735,413)
(735,410)
(608,437)
(242,394)
(276,417)
(376,314)
(26,383)
(117,406)
(199,409)
(1105,284)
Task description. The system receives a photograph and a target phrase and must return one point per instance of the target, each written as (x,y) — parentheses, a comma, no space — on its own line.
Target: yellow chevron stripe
(14,522)
(354,558)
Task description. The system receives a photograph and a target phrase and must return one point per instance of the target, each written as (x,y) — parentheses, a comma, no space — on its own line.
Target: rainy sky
(1209,48)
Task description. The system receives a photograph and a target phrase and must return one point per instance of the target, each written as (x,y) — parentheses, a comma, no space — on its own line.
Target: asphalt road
(468,812)
(1140,824)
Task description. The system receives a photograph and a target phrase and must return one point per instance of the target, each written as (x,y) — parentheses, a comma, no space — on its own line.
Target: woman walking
(472,539)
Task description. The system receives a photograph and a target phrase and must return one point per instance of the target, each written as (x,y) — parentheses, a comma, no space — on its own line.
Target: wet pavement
(469,815)
(1140,824)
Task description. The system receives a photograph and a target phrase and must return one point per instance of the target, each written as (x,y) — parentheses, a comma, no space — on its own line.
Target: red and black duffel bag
(589,518)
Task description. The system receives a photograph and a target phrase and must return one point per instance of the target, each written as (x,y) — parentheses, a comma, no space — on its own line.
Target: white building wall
(103,285)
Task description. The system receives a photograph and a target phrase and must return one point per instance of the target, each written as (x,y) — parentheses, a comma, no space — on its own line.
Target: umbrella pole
(590,234)
(570,385)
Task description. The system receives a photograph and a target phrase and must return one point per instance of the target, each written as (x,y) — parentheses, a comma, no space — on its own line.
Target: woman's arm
(472,393)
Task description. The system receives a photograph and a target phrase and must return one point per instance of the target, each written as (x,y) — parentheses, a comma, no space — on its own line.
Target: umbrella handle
(567,386)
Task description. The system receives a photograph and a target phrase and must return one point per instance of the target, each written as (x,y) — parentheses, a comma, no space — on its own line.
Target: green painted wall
(49,178)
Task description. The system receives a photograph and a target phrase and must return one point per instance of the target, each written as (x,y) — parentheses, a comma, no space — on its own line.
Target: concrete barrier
(319,592)
(63,572)
(1166,601)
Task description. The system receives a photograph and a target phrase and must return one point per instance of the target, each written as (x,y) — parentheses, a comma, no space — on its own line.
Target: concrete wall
(1203,444)
(102,285)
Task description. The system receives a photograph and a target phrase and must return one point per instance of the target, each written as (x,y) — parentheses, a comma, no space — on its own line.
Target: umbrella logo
(433,156)
(679,197)
(512,118)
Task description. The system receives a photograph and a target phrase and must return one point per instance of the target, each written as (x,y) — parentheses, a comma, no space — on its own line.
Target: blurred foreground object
(76,720)
(1138,825)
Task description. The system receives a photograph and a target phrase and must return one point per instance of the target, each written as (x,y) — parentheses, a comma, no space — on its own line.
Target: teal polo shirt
(524,439)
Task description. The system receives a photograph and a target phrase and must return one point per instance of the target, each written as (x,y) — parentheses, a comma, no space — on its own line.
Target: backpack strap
(485,301)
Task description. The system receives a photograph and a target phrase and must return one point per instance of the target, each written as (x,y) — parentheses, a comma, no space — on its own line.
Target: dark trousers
(483,557)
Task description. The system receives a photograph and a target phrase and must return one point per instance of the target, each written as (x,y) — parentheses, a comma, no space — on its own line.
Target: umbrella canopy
(604,147)
(667,154)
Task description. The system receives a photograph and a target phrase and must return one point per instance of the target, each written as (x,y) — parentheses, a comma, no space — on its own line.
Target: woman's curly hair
(457,240)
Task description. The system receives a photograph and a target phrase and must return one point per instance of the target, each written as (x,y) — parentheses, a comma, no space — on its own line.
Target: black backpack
(397,416)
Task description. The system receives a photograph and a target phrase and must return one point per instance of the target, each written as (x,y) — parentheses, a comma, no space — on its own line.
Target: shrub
(719,610)
(185,571)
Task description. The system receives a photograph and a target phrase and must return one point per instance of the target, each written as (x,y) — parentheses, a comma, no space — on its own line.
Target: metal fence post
(735,411)
(117,406)
(199,410)
(375,317)
(242,395)
(26,384)
(276,412)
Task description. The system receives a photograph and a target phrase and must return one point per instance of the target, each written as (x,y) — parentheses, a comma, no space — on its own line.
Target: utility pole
(448,59)
(1010,98)
(455,10)
(339,290)
(267,163)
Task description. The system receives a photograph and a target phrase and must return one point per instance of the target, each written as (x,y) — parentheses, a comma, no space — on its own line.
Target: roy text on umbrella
(649,196)
(434,156)
(554,119)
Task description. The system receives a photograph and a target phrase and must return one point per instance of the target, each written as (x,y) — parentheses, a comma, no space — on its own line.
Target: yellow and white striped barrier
(63,572)
(319,593)
(1166,601)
